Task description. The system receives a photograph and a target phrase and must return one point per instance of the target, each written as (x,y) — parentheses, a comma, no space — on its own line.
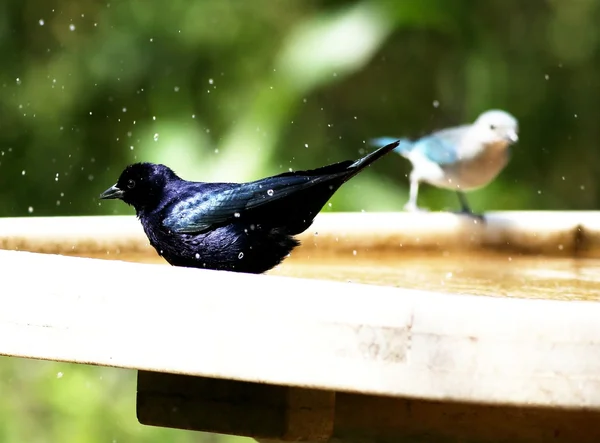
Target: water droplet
(236,214)
(306,145)
(547,77)
(124,109)
(436,104)
(59,375)
(18,81)
(241,255)
(30,209)
(71,27)
(354,252)
(211,81)
(176,89)
(23,172)
(270,192)
(131,147)
(197,256)
(41,22)
(156,137)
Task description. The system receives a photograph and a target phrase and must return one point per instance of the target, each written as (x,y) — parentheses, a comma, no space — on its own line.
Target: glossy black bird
(243,227)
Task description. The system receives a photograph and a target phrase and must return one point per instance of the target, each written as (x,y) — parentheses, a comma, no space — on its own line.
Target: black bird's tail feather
(346,168)
(300,211)
(362,163)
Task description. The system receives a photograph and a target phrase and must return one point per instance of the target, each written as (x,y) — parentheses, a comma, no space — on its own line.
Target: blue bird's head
(496,126)
(141,185)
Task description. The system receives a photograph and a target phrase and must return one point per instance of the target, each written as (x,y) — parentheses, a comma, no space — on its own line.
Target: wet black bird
(243,227)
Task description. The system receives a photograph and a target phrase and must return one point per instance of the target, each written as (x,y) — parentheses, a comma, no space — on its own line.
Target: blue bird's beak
(111,193)
(512,136)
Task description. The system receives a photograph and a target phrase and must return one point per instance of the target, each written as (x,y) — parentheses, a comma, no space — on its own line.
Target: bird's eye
(130,184)
(493,127)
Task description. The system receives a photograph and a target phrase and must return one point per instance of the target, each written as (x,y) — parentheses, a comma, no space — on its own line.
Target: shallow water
(480,274)
(476,273)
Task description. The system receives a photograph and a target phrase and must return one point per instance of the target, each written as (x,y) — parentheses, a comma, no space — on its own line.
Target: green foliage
(47,402)
(236,90)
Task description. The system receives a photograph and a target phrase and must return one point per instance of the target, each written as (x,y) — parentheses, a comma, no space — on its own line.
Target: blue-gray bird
(461,158)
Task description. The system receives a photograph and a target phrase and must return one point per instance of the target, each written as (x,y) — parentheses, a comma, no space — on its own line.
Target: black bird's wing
(285,196)
(201,212)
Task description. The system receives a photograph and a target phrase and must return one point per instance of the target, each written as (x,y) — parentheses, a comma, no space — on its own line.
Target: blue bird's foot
(466,210)
(412,207)
(477,218)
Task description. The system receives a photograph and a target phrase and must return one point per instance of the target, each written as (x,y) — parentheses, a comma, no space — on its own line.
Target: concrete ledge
(282,358)
(299,332)
(534,232)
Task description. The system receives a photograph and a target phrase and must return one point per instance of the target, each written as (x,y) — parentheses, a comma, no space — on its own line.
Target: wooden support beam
(234,407)
(278,413)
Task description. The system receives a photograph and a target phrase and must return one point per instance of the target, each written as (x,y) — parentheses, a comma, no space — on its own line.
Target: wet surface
(493,275)
(480,273)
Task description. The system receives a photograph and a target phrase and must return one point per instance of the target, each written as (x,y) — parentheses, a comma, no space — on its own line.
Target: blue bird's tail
(404,146)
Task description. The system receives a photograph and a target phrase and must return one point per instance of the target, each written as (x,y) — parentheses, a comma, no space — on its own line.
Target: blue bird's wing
(442,147)
(202,210)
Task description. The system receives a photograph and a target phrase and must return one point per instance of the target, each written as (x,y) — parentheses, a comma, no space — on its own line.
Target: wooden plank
(575,233)
(302,333)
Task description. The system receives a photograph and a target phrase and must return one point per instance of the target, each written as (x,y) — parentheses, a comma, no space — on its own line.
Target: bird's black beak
(111,193)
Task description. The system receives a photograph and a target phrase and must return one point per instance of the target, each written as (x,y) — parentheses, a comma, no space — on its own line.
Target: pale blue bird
(461,158)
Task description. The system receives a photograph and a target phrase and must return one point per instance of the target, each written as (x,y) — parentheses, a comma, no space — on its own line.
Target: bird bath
(463,331)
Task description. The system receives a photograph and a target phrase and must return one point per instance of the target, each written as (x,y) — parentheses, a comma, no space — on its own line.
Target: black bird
(242,227)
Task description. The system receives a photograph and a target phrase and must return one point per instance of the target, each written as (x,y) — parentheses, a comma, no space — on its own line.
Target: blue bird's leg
(465,208)
(411,204)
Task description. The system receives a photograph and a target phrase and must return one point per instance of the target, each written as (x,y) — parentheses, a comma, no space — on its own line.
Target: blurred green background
(239,89)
